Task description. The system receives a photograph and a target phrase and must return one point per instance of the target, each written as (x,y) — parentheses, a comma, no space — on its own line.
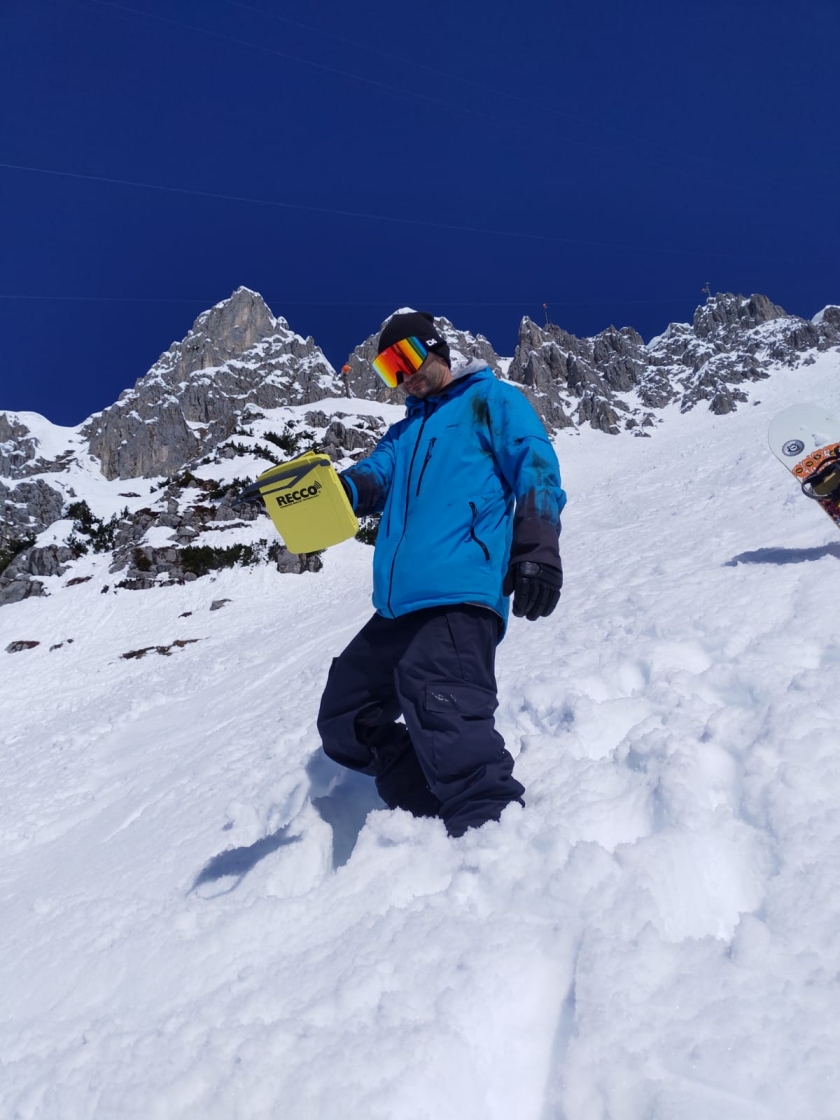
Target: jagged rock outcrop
(20,452)
(559,373)
(190,507)
(188,530)
(723,313)
(829,315)
(17,446)
(28,509)
(236,355)
(362,381)
(615,379)
(732,340)
(181,535)
(186,512)
(19,579)
(573,380)
(353,441)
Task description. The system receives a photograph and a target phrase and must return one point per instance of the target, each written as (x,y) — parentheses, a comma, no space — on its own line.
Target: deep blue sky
(606,158)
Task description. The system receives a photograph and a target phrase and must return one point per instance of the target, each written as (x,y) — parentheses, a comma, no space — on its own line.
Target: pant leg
(358,711)
(446,684)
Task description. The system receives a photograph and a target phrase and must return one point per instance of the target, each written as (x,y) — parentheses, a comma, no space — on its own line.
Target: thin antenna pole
(547,320)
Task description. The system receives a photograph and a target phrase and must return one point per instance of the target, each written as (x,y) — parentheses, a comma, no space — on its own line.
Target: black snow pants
(436,667)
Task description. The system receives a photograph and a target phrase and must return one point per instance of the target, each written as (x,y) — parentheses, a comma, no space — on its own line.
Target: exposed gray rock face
(17,445)
(27,506)
(187,512)
(829,315)
(362,381)
(719,315)
(734,340)
(615,380)
(188,507)
(14,591)
(51,560)
(355,441)
(27,509)
(20,450)
(573,380)
(185,509)
(237,355)
(18,581)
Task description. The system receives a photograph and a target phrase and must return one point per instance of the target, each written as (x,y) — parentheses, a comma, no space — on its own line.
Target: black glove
(535,587)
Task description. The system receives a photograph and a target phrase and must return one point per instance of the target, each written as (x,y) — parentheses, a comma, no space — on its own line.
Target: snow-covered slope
(202,918)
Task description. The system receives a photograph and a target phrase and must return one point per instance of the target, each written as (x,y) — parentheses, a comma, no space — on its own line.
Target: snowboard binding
(819,474)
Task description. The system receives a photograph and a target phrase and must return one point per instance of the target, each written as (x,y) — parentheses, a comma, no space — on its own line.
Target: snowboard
(806,438)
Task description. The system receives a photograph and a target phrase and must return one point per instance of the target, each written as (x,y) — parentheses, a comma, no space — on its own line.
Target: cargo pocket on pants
(459,718)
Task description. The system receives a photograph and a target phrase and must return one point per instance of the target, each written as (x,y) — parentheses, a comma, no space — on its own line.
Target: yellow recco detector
(307,503)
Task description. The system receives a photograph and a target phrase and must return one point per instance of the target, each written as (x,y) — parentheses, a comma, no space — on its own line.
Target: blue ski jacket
(467,482)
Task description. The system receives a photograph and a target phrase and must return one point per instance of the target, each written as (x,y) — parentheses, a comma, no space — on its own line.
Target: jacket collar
(463,375)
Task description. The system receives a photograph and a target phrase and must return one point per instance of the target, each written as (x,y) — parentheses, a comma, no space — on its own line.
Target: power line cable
(398,91)
(321,66)
(450,226)
(418,64)
(282,301)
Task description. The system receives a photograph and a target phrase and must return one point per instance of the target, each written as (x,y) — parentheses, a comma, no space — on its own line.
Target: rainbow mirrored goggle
(400,360)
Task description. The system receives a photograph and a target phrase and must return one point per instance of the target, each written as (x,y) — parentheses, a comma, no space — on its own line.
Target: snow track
(203,918)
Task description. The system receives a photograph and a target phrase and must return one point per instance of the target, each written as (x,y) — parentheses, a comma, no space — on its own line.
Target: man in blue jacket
(469,491)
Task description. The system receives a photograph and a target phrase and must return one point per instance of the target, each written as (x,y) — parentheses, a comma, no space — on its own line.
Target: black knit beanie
(414,324)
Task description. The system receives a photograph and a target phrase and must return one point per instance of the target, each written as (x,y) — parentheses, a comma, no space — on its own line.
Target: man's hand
(535,587)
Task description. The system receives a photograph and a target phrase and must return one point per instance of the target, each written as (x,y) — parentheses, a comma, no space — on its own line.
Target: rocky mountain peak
(227,329)
(614,380)
(237,356)
(223,332)
(725,311)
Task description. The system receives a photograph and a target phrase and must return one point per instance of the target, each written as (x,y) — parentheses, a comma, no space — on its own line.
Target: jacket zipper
(425,464)
(477,540)
(407,497)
